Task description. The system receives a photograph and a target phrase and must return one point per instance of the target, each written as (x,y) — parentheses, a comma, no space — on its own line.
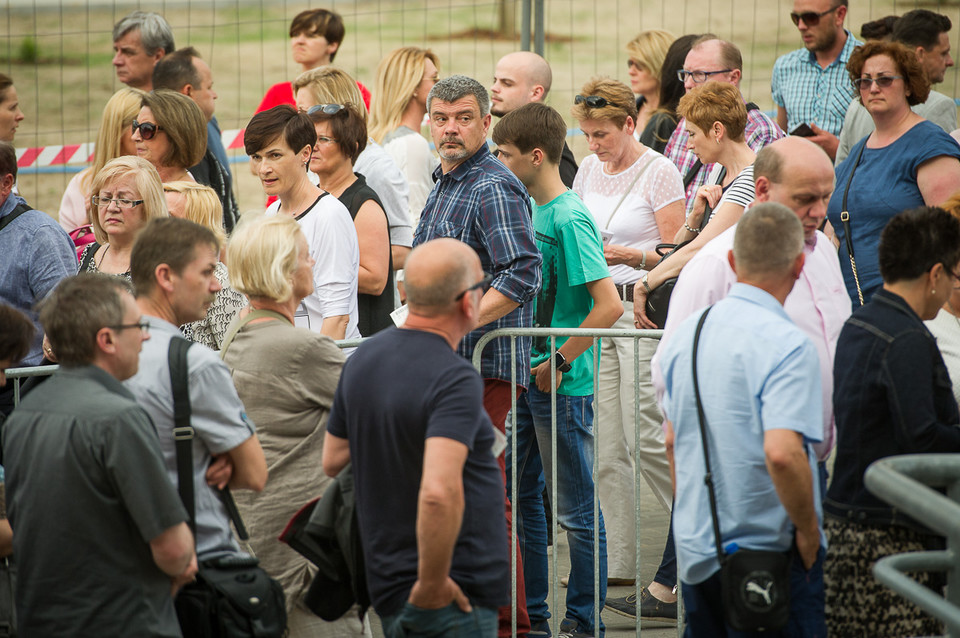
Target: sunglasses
(810,18)
(593,101)
(327,109)
(884,81)
(481,285)
(147,129)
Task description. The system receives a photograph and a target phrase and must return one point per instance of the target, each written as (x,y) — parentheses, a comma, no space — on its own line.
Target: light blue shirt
(757,372)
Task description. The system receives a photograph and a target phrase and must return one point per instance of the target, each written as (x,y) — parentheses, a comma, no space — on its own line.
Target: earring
(932,291)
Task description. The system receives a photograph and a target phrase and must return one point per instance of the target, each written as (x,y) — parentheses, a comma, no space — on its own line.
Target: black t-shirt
(398,389)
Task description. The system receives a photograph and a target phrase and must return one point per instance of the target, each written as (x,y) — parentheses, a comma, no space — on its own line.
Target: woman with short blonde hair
(198,203)
(113,140)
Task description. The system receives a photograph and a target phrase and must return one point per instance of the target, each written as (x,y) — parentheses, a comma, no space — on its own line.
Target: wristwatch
(561,361)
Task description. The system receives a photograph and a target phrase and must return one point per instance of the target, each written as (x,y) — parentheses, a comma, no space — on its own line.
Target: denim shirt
(892,395)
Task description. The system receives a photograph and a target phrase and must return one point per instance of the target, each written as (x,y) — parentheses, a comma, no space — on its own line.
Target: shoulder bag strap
(88,256)
(702,419)
(633,183)
(183,433)
(845,218)
(18,210)
(237,327)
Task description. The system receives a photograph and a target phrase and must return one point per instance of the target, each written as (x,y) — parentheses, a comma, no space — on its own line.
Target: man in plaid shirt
(713,59)
(478,200)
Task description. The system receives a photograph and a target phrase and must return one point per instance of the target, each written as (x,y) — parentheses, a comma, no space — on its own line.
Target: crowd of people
(823,243)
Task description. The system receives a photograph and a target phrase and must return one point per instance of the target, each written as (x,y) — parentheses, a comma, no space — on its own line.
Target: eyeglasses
(810,18)
(120,202)
(593,101)
(633,64)
(955,275)
(143,325)
(325,140)
(884,81)
(699,77)
(481,285)
(147,129)
(328,109)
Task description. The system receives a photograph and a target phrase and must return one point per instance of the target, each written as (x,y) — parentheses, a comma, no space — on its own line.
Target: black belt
(625,291)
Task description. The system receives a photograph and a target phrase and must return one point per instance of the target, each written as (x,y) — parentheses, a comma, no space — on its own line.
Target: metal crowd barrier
(907,481)
(597,335)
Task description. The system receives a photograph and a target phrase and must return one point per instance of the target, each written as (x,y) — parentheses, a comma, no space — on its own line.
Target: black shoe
(650,607)
(570,629)
(540,630)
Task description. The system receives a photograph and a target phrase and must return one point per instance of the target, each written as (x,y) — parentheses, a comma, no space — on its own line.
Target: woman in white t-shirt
(636,197)
(715,117)
(279,142)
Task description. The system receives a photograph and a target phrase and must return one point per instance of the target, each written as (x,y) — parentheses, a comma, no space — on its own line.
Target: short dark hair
(533,125)
(905,60)
(921,28)
(319,22)
(155,32)
(295,128)
(183,122)
(915,240)
(349,128)
(176,70)
(879,29)
(5,83)
(16,333)
(77,309)
(8,160)
(166,240)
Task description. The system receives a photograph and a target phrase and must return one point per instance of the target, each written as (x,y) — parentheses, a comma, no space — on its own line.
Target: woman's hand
(616,255)
(706,194)
(48,353)
(640,319)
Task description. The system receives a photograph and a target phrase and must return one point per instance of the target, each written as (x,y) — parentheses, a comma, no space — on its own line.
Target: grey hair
(455,87)
(155,33)
(768,239)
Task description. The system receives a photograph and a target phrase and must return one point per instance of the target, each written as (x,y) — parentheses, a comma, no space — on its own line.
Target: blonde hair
(146,180)
(649,49)
(330,85)
(201,205)
(621,103)
(118,114)
(262,256)
(398,76)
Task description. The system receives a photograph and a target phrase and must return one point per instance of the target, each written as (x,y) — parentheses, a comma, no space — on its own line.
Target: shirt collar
(460,171)
(752,294)
(162,325)
(12,202)
(101,376)
(844,55)
(893,300)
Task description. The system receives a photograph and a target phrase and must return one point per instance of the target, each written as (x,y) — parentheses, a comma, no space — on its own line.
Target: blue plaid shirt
(810,93)
(484,205)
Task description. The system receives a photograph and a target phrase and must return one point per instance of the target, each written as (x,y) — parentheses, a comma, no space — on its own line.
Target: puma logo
(754,588)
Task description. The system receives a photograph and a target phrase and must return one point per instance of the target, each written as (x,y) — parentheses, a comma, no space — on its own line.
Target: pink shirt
(818,304)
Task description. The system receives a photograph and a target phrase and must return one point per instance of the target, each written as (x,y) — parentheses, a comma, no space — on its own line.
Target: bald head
(797,173)
(520,78)
(436,272)
(719,59)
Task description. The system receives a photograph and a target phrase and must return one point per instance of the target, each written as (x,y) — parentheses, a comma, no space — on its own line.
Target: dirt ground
(246,44)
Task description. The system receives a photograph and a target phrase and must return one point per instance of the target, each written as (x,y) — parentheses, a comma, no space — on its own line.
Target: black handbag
(755,584)
(232,596)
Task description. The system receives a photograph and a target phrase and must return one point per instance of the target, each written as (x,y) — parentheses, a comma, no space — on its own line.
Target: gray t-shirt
(86,492)
(217,416)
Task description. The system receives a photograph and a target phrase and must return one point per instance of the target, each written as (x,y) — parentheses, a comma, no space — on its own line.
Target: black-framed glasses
(481,285)
(593,101)
(699,77)
(884,82)
(121,202)
(810,18)
(143,325)
(326,109)
(147,129)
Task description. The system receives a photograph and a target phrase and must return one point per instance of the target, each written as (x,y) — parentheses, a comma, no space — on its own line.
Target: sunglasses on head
(884,81)
(147,129)
(327,109)
(810,18)
(593,101)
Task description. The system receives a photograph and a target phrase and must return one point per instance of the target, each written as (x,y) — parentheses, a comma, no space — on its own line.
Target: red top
(283,94)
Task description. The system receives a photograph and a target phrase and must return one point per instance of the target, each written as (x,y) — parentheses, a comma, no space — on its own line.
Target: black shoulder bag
(845,218)
(232,596)
(755,584)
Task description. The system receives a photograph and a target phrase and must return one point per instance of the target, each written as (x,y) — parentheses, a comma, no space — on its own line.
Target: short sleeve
(583,249)
(218,414)
(663,185)
(792,396)
(458,411)
(775,81)
(742,190)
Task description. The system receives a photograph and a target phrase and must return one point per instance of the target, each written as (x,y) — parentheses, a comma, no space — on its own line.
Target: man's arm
(782,117)
(439,515)
(335,327)
(173,553)
(336,454)
(790,470)
(249,466)
(494,305)
(607,308)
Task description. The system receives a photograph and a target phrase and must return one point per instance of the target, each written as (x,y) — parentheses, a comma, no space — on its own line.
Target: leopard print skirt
(857,604)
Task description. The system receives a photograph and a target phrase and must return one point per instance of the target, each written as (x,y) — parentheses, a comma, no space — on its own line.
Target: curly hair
(915,81)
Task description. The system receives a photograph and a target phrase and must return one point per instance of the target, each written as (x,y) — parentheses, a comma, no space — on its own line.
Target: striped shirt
(484,205)
(759,132)
(810,93)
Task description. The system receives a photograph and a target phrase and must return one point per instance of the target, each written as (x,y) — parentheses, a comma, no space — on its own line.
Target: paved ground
(653,531)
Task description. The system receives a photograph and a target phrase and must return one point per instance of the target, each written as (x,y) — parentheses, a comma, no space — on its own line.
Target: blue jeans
(704,606)
(574,507)
(414,622)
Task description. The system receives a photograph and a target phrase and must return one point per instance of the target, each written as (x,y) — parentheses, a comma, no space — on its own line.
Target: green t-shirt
(572,250)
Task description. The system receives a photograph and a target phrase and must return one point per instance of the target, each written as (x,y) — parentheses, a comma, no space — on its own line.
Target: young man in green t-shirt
(577,292)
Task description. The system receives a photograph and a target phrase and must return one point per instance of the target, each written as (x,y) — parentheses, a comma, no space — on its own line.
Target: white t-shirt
(411,152)
(332,238)
(385,177)
(633,224)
